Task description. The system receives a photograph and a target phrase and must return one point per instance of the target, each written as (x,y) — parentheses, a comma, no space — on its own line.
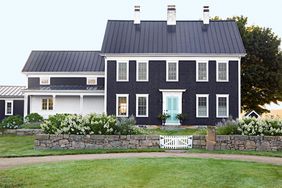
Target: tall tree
(261,68)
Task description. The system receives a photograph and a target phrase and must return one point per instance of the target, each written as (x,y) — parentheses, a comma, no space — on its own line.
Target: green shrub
(251,127)
(12,122)
(33,118)
(260,127)
(90,124)
(126,126)
(100,124)
(53,123)
(227,127)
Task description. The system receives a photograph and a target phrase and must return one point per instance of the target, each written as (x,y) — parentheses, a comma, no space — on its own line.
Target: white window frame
(48,98)
(147,104)
(227,71)
(197,105)
(90,78)
(137,71)
(177,71)
(227,105)
(12,108)
(43,78)
(127,105)
(197,70)
(127,71)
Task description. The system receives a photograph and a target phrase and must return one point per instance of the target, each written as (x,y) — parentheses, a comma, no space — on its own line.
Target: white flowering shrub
(12,122)
(100,124)
(89,124)
(260,127)
(251,127)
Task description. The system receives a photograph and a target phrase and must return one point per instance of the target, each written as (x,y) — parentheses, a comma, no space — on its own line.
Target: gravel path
(19,161)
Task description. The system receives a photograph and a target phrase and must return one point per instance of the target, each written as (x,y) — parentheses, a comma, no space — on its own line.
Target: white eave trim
(65,92)
(172,90)
(108,55)
(64,74)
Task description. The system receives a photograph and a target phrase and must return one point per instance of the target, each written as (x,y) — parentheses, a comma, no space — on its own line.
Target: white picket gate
(176,142)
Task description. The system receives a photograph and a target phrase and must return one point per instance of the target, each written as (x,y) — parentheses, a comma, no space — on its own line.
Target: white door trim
(172,92)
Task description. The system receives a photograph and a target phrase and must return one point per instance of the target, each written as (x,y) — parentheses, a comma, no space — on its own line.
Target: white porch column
(25,104)
(81,104)
(54,102)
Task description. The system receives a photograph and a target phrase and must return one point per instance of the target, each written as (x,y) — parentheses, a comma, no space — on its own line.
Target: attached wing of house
(11,101)
(64,82)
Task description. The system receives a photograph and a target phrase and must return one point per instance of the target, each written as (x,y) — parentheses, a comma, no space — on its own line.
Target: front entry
(172,109)
(172,105)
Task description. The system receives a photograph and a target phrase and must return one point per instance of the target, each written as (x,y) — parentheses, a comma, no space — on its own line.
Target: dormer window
(91,81)
(44,80)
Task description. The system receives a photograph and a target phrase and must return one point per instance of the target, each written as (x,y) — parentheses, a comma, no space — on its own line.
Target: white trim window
(9,108)
(44,80)
(202,105)
(91,81)
(202,71)
(222,106)
(122,105)
(142,105)
(222,71)
(142,71)
(47,104)
(122,71)
(172,71)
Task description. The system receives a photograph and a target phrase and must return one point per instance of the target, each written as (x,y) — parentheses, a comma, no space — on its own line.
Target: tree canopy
(261,68)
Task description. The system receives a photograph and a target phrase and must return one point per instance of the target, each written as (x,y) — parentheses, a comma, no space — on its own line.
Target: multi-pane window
(122,71)
(142,105)
(44,80)
(222,102)
(222,71)
(9,108)
(142,71)
(47,104)
(172,71)
(202,71)
(202,105)
(91,81)
(122,105)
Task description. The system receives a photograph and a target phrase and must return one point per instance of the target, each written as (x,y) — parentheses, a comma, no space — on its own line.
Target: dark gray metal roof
(64,61)
(187,37)
(11,91)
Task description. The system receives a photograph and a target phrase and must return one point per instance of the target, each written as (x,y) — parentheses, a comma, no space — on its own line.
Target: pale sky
(28,25)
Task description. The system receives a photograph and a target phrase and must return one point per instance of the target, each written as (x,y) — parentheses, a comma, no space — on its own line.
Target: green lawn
(158,172)
(13,146)
(20,146)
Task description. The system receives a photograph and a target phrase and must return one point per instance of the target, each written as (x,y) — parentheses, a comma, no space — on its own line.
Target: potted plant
(181,117)
(163,117)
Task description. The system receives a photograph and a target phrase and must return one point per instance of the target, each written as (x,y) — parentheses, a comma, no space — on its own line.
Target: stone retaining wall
(45,141)
(239,142)
(21,132)
(228,142)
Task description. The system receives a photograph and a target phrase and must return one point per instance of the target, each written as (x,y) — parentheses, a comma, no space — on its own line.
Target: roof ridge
(229,20)
(66,50)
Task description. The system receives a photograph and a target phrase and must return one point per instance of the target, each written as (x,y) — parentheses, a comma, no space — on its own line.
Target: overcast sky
(80,24)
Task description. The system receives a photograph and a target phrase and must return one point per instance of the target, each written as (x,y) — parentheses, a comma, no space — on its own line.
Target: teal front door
(172,108)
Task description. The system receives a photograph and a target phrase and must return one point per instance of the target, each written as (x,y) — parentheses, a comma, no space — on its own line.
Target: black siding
(187,80)
(34,83)
(18,108)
